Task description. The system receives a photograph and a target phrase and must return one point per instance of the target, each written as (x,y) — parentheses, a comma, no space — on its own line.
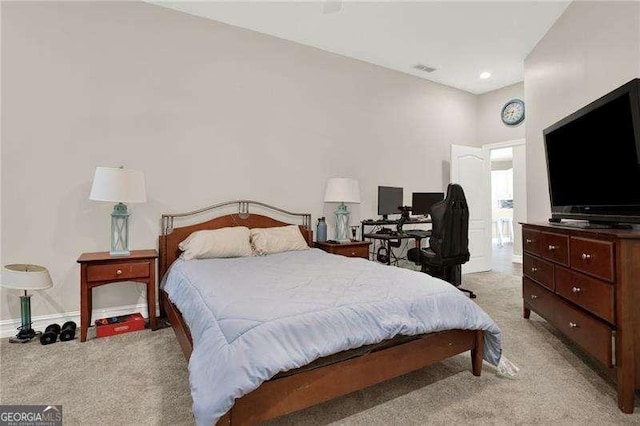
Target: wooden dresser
(586,282)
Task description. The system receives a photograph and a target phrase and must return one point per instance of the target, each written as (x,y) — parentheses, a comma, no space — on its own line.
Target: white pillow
(278,239)
(224,242)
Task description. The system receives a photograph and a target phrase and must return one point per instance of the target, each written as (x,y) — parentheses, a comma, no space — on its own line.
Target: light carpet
(141,378)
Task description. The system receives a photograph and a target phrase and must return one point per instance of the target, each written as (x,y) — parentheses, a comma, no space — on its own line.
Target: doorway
(508,204)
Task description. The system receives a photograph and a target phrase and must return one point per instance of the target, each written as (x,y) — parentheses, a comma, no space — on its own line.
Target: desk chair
(449,243)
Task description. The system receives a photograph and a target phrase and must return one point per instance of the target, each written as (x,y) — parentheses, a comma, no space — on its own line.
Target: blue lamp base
(119,231)
(342,224)
(25,332)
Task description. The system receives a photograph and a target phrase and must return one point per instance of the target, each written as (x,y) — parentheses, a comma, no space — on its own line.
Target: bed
(317,349)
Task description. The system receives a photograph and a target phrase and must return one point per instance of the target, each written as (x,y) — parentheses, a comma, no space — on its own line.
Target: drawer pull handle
(534,297)
(576,290)
(119,272)
(586,256)
(552,247)
(353,253)
(573,324)
(534,269)
(529,241)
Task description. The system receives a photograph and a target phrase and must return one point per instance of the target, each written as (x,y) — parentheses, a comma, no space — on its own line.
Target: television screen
(593,162)
(389,199)
(422,201)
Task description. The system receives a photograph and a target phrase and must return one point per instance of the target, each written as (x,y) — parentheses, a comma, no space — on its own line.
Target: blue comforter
(253,317)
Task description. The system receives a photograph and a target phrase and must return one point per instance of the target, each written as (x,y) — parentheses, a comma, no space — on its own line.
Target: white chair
(497,225)
(509,222)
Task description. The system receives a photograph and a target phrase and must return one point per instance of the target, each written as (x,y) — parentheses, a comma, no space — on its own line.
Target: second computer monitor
(422,201)
(389,199)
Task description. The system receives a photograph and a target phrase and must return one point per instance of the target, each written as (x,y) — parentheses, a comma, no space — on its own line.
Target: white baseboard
(516,258)
(9,328)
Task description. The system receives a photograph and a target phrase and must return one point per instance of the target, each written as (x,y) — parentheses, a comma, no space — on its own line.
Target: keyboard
(417,233)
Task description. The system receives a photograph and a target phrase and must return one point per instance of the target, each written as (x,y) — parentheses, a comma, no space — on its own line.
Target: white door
(470,169)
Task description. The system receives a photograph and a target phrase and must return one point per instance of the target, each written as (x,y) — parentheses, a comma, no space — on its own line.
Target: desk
(411,221)
(387,238)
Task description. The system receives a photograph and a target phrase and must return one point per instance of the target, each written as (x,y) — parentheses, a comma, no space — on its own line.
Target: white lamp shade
(118,185)
(342,190)
(25,277)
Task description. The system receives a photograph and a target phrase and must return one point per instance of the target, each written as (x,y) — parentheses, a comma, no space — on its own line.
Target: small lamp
(121,186)
(25,277)
(342,190)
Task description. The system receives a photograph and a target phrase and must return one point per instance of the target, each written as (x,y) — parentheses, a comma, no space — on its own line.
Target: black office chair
(449,243)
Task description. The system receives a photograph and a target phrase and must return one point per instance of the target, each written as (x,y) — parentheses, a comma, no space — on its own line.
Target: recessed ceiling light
(485,75)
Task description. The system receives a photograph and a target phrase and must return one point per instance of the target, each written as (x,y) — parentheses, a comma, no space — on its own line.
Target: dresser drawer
(531,241)
(591,334)
(538,270)
(538,299)
(592,257)
(592,294)
(555,247)
(117,271)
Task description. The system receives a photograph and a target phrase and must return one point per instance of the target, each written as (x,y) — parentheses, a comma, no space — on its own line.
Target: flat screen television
(421,202)
(389,199)
(593,160)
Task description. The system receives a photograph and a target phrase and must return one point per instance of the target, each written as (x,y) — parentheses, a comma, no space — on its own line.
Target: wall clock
(513,112)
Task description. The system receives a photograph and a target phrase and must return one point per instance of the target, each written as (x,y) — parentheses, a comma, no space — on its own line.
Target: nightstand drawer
(354,252)
(117,271)
(350,249)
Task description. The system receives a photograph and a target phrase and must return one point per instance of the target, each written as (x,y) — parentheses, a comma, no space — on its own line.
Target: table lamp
(25,277)
(121,186)
(342,190)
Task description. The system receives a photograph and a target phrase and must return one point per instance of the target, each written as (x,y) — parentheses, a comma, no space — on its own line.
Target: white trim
(8,328)
(516,258)
(505,144)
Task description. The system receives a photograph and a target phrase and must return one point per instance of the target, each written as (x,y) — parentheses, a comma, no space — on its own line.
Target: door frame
(487,152)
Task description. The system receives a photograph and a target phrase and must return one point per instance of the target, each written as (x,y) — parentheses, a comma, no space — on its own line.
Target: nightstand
(350,249)
(100,268)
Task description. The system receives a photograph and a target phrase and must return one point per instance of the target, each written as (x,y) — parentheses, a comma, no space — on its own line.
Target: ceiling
(459,39)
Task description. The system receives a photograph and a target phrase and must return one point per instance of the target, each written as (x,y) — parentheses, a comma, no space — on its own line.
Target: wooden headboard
(172,236)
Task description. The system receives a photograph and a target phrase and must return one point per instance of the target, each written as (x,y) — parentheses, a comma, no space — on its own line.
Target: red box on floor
(118,325)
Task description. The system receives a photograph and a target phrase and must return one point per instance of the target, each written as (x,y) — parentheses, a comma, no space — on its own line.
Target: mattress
(252,318)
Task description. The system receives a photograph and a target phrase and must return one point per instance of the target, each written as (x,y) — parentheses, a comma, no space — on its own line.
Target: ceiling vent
(332,6)
(424,68)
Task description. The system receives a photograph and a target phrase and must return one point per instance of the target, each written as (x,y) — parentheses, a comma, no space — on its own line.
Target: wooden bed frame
(284,395)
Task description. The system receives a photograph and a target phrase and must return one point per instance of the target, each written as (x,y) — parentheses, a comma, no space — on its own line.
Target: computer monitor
(422,201)
(389,199)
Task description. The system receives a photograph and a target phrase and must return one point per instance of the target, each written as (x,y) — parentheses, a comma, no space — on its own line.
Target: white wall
(593,48)
(208,111)
(519,197)
(491,129)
